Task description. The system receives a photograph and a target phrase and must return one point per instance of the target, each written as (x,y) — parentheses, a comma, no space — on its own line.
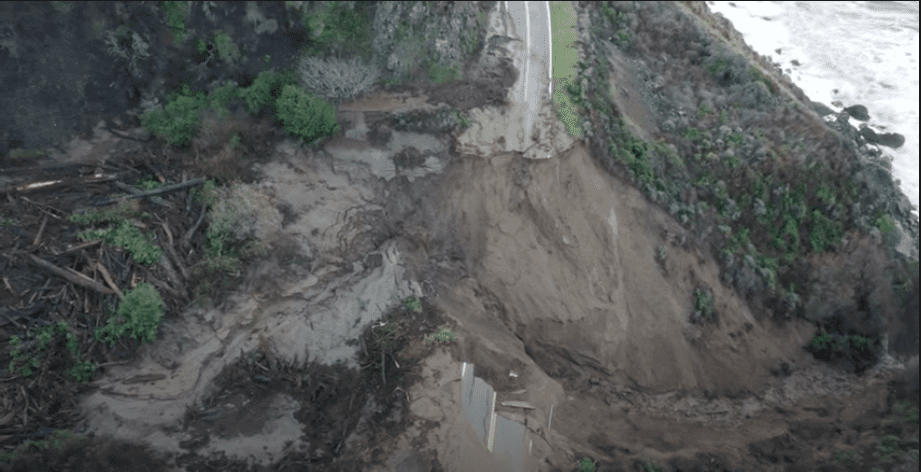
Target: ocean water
(843,54)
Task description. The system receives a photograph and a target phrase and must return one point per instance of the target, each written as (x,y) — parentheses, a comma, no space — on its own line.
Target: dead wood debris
(50,276)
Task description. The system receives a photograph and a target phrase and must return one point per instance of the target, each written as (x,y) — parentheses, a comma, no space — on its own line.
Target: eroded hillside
(662,294)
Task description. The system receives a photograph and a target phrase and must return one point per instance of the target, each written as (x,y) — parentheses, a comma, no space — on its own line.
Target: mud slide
(547,271)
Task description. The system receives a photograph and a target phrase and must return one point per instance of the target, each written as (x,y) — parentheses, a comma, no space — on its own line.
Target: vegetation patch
(28,354)
(306,116)
(440,74)
(231,236)
(585,464)
(265,90)
(412,305)
(175,17)
(127,236)
(853,348)
(565,59)
(333,25)
(704,309)
(443,335)
(178,122)
(138,315)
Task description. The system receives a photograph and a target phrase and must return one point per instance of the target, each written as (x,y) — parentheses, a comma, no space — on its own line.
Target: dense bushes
(178,121)
(265,90)
(304,115)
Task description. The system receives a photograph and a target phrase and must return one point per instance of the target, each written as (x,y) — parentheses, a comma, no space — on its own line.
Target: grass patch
(847,456)
(231,235)
(117,212)
(27,154)
(440,74)
(55,441)
(890,448)
(127,236)
(565,58)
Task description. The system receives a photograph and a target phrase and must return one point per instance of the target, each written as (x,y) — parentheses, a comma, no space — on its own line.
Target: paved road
(530,22)
(528,25)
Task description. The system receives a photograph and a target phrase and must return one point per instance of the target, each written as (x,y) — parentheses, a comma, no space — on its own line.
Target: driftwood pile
(49,276)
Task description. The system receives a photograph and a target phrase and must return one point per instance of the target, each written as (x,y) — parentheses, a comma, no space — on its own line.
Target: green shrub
(178,122)
(82,371)
(304,115)
(884,223)
(226,49)
(647,466)
(220,97)
(265,90)
(443,334)
(586,465)
(175,18)
(825,346)
(138,315)
(336,25)
(703,305)
(412,304)
(825,232)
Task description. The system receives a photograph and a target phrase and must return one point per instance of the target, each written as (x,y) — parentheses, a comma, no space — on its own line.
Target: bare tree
(336,79)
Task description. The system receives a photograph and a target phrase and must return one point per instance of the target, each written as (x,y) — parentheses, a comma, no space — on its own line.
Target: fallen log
(164,189)
(70,275)
(136,192)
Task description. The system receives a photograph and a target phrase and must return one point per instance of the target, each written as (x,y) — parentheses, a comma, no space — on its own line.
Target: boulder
(821,109)
(858,112)
(893,140)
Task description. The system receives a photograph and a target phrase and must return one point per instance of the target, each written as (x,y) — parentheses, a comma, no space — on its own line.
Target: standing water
(843,54)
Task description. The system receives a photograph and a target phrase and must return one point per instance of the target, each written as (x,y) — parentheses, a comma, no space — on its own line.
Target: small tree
(304,115)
